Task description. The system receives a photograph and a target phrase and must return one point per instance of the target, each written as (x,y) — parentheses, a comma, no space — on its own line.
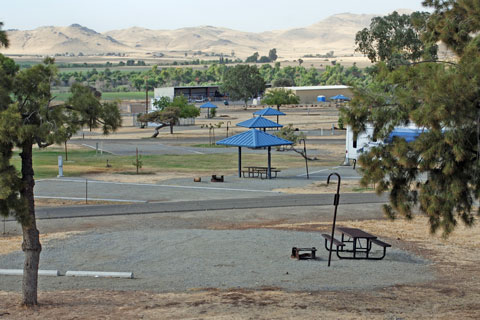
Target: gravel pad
(179,260)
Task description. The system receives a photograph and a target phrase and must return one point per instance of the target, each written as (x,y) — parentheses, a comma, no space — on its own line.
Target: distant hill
(51,40)
(335,33)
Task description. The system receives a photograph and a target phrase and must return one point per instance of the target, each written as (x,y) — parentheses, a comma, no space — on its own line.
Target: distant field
(63,96)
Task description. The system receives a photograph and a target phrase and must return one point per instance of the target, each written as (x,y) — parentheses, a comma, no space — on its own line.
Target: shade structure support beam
(239,162)
(269,163)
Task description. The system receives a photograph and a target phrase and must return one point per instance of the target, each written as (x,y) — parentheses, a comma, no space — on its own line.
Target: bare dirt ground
(303,117)
(455,293)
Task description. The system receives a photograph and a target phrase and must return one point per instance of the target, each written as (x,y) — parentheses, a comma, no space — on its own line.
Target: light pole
(305,154)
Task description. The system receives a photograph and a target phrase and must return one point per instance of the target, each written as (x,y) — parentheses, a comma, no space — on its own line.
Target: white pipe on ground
(19,272)
(99,274)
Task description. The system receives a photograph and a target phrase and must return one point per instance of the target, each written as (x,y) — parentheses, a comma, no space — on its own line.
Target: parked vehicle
(364,142)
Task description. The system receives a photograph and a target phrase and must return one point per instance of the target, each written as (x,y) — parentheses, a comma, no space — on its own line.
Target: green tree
(162,103)
(395,39)
(91,111)
(253,58)
(282,82)
(280,96)
(440,170)
(272,54)
(27,118)
(3,37)
(243,82)
(170,114)
(264,59)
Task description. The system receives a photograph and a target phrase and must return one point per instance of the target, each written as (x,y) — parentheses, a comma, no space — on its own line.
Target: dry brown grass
(10,244)
(322,187)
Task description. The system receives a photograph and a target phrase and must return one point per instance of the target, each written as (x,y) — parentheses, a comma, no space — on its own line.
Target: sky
(242,15)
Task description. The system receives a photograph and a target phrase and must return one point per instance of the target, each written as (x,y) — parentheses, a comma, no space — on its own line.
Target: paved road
(184,189)
(279,201)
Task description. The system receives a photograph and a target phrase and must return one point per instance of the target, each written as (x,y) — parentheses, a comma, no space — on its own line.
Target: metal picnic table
(356,243)
(258,172)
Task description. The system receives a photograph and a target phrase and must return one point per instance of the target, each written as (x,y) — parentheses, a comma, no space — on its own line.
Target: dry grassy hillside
(335,33)
(51,40)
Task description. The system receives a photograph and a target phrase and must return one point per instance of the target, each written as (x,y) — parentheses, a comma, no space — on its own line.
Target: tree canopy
(92,112)
(280,96)
(243,82)
(439,172)
(395,38)
(169,112)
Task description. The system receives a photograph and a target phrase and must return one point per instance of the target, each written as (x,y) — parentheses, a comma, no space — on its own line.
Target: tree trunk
(171,127)
(157,132)
(31,240)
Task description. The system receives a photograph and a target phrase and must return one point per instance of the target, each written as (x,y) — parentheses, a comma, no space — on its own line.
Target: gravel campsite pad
(182,259)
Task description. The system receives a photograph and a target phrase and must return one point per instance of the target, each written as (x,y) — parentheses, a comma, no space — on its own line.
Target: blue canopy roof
(254,138)
(268,112)
(208,105)
(339,97)
(259,122)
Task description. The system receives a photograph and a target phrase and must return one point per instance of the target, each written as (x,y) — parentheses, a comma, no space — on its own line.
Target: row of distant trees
(116,80)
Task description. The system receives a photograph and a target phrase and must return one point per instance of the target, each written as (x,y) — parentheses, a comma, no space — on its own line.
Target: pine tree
(28,118)
(440,171)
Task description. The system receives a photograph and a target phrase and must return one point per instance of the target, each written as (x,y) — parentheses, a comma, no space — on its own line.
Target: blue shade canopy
(340,97)
(259,122)
(208,105)
(254,138)
(268,112)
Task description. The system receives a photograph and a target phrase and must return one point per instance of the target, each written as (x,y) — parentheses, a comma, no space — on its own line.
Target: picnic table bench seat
(336,242)
(266,173)
(381,243)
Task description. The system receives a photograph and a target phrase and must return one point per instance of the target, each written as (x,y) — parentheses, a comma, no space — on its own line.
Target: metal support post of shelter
(269,163)
(239,162)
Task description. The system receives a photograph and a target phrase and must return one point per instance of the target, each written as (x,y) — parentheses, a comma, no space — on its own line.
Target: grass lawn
(85,161)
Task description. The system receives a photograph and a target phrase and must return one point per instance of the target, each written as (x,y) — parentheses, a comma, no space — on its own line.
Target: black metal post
(336,200)
(239,162)
(305,153)
(86,191)
(269,163)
